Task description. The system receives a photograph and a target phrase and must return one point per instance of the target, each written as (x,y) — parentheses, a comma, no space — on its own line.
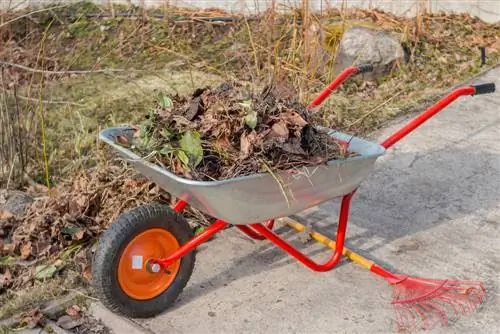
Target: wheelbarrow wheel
(119,272)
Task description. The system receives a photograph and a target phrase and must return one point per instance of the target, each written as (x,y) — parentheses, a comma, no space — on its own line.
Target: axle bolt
(155,267)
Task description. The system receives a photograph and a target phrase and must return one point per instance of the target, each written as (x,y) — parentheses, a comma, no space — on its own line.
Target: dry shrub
(13,139)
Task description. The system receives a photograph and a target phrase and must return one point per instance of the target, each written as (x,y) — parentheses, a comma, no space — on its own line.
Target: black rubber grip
(484,88)
(365,68)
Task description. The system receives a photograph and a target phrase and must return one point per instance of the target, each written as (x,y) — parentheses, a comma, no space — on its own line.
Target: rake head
(424,303)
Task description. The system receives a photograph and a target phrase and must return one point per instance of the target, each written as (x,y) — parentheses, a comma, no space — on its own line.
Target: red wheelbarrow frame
(261,231)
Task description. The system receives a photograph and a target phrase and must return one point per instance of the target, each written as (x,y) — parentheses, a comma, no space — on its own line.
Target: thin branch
(25,98)
(31,13)
(34,70)
(374,109)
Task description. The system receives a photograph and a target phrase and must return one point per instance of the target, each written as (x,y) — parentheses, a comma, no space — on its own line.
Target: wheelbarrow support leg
(251,233)
(193,243)
(337,255)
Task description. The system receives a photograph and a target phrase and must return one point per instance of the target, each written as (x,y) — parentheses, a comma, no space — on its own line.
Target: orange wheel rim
(134,279)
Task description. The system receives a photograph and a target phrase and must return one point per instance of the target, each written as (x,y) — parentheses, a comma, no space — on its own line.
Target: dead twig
(25,98)
(33,12)
(374,109)
(34,70)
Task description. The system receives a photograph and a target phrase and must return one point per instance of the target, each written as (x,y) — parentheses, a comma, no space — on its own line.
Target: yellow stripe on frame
(330,243)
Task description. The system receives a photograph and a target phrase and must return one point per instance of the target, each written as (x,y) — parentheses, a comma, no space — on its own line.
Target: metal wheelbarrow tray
(260,197)
(146,257)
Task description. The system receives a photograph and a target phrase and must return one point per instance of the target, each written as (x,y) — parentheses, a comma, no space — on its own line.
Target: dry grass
(12,302)
(13,138)
(101,66)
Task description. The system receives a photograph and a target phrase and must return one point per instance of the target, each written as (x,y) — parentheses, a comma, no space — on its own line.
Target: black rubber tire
(111,245)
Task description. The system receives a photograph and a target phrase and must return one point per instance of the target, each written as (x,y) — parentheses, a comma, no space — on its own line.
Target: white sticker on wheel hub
(137,262)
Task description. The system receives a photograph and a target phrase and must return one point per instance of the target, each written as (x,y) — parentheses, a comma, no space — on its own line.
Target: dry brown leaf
(42,248)
(32,318)
(77,205)
(9,248)
(195,106)
(87,273)
(137,132)
(122,140)
(5,215)
(73,311)
(79,235)
(246,143)
(495,47)
(279,130)
(293,118)
(223,143)
(26,250)
(5,278)
(284,89)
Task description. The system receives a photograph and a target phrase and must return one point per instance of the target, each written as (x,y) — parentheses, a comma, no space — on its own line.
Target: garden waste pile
(226,131)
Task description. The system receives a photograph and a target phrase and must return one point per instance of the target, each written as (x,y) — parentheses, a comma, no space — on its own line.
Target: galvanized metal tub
(259,197)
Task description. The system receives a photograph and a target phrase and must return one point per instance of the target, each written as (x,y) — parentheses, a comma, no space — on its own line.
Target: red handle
(440,105)
(350,71)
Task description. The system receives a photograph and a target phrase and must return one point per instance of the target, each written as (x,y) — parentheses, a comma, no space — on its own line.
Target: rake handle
(353,256)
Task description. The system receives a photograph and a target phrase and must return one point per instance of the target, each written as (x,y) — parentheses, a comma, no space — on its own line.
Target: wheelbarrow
(145,258)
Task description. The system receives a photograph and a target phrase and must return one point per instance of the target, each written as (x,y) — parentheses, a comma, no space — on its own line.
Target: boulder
(352,45)
(362,45)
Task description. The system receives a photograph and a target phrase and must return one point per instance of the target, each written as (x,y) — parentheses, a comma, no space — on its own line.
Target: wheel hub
(137,276)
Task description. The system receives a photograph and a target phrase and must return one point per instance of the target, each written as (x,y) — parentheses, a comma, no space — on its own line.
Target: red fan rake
(418,302)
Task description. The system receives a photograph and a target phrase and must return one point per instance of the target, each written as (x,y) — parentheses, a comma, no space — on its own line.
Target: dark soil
(228,131)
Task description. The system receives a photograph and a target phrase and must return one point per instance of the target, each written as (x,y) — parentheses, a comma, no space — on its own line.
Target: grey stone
(57,307)
(68,322)
(17,203)
(54,328)
(363,45)
(358,45)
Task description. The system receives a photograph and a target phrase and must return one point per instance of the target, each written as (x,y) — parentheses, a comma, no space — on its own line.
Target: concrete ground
(430,209)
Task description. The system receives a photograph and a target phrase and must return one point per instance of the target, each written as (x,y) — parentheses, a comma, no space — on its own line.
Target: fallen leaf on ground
(26,251)
(45,271)
(87,274)
(73,311)
(279,131)
(5,278)
(246,143)
(4,215)
(31,318)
